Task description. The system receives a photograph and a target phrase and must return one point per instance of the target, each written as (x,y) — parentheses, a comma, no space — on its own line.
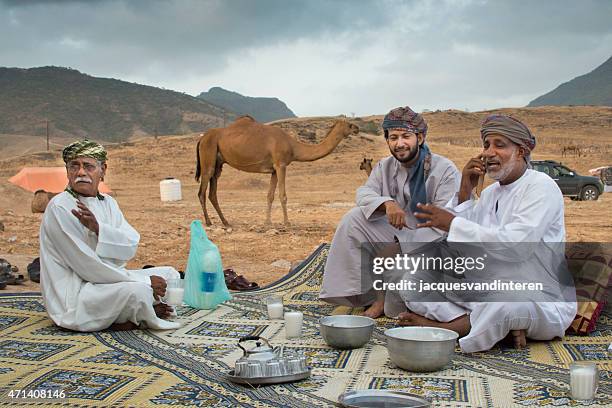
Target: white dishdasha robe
(83,279)
(529,210)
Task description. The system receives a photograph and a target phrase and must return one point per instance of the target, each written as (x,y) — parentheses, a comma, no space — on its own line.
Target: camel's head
(365,164)
(347,127)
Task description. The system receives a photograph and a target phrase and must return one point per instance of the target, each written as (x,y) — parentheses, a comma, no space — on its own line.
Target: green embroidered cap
(84,148)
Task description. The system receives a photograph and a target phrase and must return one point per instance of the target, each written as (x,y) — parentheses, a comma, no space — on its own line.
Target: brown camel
(255,148)
(570,149)
(366,164)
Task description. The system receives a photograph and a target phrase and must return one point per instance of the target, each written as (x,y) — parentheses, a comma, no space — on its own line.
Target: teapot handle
(249,338)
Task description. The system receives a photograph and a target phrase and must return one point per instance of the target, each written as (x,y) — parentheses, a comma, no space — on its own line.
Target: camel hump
(245,118)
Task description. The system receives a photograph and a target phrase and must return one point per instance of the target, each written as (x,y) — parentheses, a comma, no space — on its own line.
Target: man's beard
(413,153)
(505,169)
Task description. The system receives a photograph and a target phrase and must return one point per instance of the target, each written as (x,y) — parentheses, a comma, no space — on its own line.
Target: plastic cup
(175,291)
(293,324)
(208,281)
(584,380)
(274,304)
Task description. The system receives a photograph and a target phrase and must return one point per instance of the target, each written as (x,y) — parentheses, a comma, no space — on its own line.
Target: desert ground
(319,192)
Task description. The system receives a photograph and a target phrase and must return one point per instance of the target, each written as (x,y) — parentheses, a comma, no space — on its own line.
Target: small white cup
(175,290)
(293,324)
(584,380)
(274,305)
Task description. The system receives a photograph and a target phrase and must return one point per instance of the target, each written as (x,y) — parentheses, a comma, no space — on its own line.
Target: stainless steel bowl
(420,349)
(346,331)
(382,399)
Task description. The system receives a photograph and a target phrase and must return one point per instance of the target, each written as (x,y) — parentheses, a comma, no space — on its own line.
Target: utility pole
(47,134)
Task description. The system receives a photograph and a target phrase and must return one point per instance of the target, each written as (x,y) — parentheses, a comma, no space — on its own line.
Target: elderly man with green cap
(383,221)
(85,243)
(519,221)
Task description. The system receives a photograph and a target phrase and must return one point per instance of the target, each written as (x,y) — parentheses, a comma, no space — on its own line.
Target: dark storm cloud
(365,54)
(166,30)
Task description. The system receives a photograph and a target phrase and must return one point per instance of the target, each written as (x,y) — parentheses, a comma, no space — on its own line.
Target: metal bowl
(346,331)
(420,349)
(382,399)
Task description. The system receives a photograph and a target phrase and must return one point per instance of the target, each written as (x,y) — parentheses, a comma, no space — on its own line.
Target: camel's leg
(207,154)
(271,191)
(282,194)
(212,196)
(202,196)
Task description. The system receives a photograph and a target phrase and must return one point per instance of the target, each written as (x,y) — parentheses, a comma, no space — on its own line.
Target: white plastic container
(293,324)
(170,189)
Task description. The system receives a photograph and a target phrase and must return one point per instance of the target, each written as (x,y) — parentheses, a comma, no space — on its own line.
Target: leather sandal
(238,282)
(13,279)
(241,283)
(229,275)
(34,270)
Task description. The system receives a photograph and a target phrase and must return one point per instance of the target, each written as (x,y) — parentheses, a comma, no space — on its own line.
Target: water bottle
(209,276)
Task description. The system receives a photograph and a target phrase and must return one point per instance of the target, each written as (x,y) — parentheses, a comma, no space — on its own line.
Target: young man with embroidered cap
(521,217)
(383,220)
(85,243)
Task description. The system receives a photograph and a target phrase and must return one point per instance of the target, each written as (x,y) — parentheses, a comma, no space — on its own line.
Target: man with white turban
(521,216)
(85,243)
(383,220)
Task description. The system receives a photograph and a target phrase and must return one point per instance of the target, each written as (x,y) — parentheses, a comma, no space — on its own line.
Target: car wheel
(589,193)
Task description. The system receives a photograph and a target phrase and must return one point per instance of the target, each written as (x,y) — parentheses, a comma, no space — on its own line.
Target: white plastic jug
(170,189)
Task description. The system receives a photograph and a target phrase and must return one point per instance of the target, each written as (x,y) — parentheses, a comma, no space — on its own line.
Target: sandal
(242,284)
(34,270)
(14,279)
(229,275)
(8,274)
(238,282)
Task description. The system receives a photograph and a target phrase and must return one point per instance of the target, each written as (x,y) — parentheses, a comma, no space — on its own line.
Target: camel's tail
(197,173)
(218,163)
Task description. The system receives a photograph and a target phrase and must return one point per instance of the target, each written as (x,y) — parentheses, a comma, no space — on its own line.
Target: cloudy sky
(320,57)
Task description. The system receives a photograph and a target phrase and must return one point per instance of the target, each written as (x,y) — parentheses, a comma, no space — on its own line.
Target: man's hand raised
(473,170)
(434,217)
(395,214)
(86,217)
(159,286)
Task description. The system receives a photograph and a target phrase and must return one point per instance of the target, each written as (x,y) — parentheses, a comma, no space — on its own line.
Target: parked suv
(571,183)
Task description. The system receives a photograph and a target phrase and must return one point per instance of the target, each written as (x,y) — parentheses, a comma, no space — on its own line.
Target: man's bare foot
(162,310)
(123,326)
(375,310)
(517,338)
(413,319)
(460,325)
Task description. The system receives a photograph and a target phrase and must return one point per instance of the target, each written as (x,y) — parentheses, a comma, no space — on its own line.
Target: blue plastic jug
(204,282)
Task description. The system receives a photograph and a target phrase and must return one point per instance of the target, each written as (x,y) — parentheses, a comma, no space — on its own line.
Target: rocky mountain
(262,109)
(594,88)
(79,105)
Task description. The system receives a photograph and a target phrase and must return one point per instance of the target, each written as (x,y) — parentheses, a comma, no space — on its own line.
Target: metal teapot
(264,364)
(258,353)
